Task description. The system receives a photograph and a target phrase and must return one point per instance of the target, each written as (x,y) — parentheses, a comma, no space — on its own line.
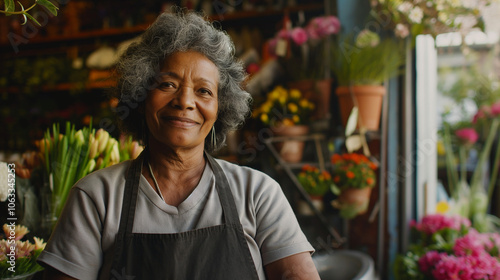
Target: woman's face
(182,109)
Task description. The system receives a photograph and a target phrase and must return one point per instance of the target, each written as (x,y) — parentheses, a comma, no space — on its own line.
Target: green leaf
(32,18)
(9,5)
(47,4)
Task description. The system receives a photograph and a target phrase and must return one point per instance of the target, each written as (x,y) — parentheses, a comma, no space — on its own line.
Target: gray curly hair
(138,71)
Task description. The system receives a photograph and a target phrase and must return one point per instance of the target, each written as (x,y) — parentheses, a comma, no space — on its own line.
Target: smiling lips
(179,122)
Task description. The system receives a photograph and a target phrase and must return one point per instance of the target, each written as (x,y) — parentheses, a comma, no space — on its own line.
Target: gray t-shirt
(82,242)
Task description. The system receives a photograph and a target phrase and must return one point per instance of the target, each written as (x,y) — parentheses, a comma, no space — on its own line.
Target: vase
(369,101)
(353,202)
(318,92)
(290,150)
(304,209)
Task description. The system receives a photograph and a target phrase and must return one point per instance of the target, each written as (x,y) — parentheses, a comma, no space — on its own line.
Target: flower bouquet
(471,197)
(446,247)
(302,50)
(353,177)
(18,258)
(71,156)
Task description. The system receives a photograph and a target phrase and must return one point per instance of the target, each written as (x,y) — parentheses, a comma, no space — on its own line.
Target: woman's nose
(184,98)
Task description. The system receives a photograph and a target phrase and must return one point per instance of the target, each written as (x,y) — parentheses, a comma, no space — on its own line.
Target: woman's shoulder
(233,169)
(104,178)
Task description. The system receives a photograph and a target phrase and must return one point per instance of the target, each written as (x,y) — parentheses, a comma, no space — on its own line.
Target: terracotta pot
(290,150)
(318,92)
(354,201)
(369,99)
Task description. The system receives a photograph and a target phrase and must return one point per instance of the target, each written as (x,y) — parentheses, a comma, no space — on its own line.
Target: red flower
(468,135)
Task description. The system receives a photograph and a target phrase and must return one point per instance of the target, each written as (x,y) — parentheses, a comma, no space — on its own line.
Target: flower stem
(484,155)
(494,172)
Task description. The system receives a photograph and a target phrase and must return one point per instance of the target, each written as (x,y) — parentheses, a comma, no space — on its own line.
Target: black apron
(217,252)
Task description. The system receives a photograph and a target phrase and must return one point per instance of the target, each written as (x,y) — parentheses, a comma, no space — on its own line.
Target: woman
(175,212)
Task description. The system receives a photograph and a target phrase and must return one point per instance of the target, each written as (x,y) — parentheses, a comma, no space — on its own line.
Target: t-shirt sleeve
(74,247)
(278,232)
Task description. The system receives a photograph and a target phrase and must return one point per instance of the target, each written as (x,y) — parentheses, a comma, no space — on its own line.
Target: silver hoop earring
(214,138)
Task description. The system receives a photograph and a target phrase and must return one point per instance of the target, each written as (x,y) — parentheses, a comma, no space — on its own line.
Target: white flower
(405,7)
(4,186)
(469,4)
(416,15)
(401,30)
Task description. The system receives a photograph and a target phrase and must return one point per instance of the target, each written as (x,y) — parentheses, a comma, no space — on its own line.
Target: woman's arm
(54,274)
(296,267)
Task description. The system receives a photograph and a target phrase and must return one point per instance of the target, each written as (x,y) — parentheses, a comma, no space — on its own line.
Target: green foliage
(10,9)
(368,65)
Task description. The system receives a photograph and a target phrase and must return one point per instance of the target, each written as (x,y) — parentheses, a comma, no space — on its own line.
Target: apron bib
(217,252)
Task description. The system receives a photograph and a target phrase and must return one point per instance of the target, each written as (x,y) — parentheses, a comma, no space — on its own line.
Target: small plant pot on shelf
(290,150)
(353,202)
(369,100)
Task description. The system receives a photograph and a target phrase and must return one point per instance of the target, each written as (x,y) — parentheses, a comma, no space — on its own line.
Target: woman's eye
(205,91)
(166,85)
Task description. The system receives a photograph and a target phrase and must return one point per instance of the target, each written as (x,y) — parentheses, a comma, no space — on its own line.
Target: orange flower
(369,181)
(336,179)
(350,174)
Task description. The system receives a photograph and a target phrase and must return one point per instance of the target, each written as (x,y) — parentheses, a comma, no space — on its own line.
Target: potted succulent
(316,183)
(361,65)
(287,113)
(353,178)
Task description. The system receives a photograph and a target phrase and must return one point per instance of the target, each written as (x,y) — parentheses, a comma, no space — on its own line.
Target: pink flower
(435,222)
(468,135)
(484,111)
(298,35)
(469,245)
(495,109)
(451,267)
(321,27)
(427,262)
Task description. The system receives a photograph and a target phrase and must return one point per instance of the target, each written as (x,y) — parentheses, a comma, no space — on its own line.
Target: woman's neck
(176,172)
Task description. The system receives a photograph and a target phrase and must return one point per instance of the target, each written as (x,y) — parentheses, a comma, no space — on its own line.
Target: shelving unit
(338,240)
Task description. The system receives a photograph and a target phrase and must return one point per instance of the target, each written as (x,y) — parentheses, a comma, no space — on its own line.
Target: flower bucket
(353,202)
(369,100)
(318,92)
(290,150)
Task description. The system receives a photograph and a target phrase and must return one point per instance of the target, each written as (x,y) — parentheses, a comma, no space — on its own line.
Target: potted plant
(316,183)
(302,52)
(361,65)
(447,247)
(287,113)
(353,177)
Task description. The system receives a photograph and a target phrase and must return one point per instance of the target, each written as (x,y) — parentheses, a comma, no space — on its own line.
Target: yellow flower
(274,95)
(304,103)
(266,107)
(442,207)
(39,244)
(293,108)
(282,99)
(264,118)
(295,93)
(440,148)
(296,119)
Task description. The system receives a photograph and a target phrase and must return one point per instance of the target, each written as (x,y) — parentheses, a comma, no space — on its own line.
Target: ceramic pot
(353,202)
(369,99)
(290,150)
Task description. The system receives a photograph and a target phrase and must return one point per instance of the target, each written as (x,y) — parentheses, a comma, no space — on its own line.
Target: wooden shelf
(66,87)
(239,15)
